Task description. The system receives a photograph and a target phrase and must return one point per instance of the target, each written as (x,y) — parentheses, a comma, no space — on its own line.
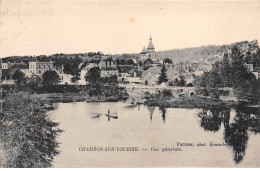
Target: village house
(124,72)
(8,73)
(65,78)
(150,76)
(38,68)
(128,74)
(108,68)
(29,69)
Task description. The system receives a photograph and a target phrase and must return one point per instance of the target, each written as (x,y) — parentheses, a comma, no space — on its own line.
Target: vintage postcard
(127,84)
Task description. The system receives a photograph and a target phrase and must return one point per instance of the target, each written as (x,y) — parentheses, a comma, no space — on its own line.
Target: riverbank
(72,97)
(191,102)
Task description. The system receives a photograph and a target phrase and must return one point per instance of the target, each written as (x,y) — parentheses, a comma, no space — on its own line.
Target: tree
(166,93)
(34,83)
(71,66)
(19,77)
(163,76)
(28,132)
(230,73)
(93,75)
(147,64)
(214,79)
(167,60)
(50,78)
(238,69)
(226,71)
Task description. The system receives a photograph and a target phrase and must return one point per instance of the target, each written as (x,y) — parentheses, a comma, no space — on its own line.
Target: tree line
(230,72)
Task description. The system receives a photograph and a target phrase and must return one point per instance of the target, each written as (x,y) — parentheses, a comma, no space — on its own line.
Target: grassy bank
(72,97)
(191,102)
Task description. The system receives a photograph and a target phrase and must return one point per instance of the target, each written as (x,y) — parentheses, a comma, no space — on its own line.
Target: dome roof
(143,50)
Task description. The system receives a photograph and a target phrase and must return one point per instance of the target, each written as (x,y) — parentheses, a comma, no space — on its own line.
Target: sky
(35,27)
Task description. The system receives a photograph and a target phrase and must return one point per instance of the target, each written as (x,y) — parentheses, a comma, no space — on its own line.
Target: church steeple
(150,46)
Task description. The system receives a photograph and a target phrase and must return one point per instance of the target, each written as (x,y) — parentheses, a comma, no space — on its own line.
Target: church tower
(150,53)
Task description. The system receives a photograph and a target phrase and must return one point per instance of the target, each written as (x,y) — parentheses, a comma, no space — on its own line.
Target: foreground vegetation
(28,135)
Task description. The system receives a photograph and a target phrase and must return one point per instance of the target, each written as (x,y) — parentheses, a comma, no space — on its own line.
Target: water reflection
(163,111)
(147,126)
(236,132)
(210,120)
(151,110)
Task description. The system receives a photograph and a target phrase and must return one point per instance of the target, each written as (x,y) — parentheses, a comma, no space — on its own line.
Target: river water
(150,129)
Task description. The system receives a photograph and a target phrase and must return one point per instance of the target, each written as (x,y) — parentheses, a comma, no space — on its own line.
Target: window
(39,71)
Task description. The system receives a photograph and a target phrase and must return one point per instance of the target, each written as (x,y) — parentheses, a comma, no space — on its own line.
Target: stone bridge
(137,92)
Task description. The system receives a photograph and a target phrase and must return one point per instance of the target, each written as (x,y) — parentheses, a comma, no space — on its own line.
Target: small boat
(95,115)
(112,115)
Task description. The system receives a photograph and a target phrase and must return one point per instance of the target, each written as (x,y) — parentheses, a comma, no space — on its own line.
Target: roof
(80,65)
(173,76)
(91,65)
(107,65)
(148,77)
(21,66)
(143,50)
(12,70)
(8,82)
(152,70)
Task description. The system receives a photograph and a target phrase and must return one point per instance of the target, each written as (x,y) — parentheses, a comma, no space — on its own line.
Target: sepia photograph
(129,84)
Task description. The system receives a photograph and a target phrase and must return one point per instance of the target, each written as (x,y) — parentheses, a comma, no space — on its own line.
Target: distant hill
(197,53)
(177,55)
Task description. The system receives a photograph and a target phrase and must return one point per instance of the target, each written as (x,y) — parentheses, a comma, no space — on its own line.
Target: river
(150,128)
